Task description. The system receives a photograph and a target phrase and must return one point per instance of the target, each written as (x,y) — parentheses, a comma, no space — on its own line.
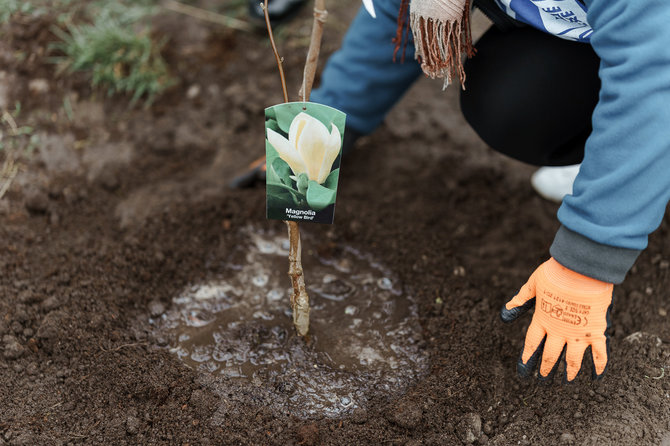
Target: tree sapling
(300,298)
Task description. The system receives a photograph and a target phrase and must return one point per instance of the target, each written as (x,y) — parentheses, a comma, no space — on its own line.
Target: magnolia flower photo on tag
(303,151)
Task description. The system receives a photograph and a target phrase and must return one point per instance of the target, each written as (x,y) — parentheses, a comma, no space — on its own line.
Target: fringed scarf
(441,30)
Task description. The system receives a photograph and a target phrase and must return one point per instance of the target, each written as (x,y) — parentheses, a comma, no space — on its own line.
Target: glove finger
(525,369)
(532,350)
(550,376)
(514,313)
(573,359)
(553,349)
(534,337)
(600,353)
(526,293)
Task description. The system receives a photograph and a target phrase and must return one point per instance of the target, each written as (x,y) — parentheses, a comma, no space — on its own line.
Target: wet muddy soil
(365,338)
(119,235)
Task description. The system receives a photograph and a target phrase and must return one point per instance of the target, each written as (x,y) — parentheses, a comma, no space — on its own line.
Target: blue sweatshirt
(621,192)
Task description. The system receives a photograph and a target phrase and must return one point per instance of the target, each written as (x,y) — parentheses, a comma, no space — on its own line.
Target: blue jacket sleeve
(623,187)
(361,78)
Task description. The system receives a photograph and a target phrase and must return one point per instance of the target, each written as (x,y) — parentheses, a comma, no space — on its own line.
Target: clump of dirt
(93,244)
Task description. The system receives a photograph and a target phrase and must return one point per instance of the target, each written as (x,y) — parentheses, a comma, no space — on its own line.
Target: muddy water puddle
(365,340)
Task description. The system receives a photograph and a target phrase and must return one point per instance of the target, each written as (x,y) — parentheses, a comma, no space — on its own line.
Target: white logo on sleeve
(563,18)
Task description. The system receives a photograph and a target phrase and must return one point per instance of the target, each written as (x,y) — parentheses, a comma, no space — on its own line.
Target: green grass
(110,40)
(34,8)
(17,143)
(117,49)
(8,8)
(14,137)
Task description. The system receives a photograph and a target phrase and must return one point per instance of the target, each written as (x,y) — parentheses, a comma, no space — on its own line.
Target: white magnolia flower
(310,147)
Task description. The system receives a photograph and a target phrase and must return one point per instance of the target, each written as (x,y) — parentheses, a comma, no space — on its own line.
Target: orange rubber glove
(571,314)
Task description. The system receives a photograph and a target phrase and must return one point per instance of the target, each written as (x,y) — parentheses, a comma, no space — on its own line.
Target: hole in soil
(365,336)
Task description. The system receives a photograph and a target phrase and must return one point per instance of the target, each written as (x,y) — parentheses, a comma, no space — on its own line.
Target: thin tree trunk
(300,299)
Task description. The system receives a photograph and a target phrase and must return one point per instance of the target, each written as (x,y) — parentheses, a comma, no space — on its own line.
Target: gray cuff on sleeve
(592,259)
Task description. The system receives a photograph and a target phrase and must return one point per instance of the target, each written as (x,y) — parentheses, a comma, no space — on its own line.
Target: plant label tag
(303,150)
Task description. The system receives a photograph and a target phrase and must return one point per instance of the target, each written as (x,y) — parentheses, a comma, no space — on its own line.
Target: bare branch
(280,60)
(320,16)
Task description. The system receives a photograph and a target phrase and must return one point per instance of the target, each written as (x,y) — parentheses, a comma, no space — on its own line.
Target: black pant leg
(530,95)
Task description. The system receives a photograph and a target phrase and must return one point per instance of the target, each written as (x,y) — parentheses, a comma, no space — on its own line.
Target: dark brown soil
(119,208)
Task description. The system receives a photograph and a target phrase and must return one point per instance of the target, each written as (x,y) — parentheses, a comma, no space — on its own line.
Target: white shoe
(554,183)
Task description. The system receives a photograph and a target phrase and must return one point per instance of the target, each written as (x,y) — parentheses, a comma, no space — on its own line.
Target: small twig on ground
(209,16)
(659,376)
(116,349)
(9,119)
(8,172)
(527,397)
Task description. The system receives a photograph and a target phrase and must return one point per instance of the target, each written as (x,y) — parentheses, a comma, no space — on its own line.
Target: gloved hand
(570,310)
